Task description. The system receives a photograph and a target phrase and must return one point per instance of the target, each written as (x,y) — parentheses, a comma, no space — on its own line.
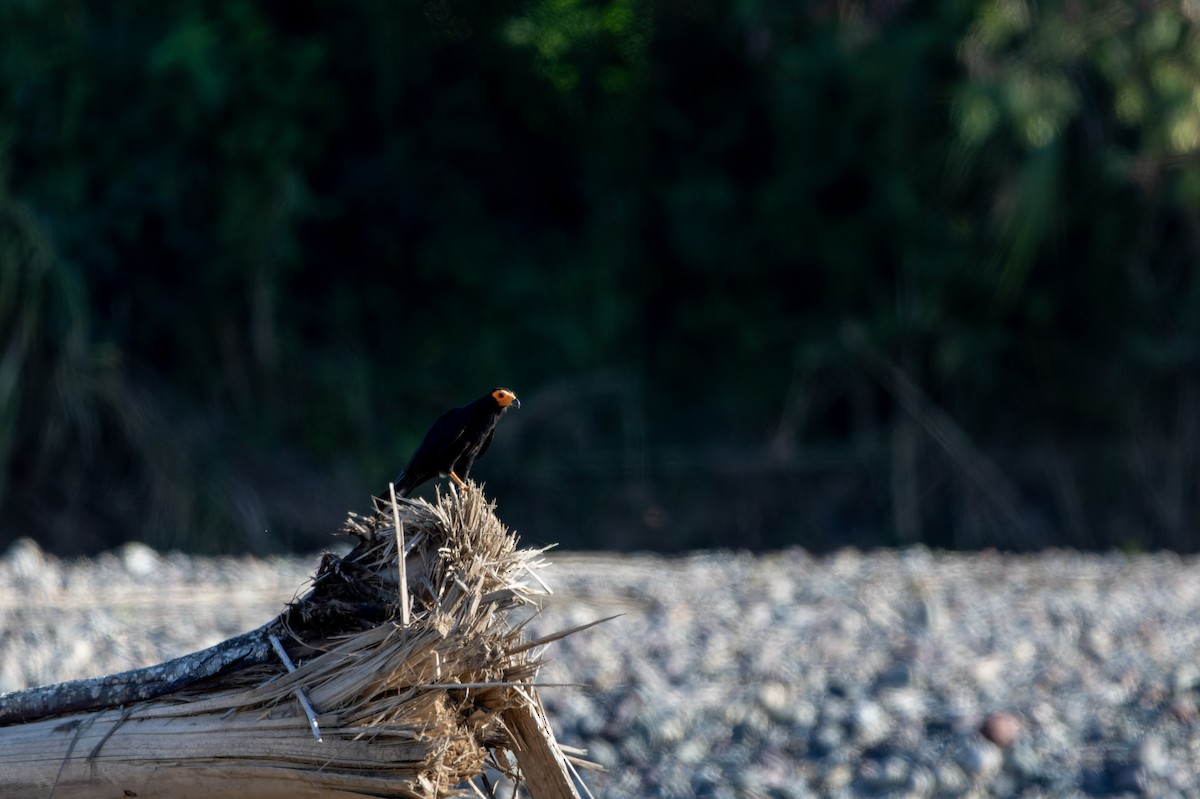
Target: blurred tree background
(763,274)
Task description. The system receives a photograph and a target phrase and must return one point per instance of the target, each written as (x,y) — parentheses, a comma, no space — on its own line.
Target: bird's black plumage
(456,440)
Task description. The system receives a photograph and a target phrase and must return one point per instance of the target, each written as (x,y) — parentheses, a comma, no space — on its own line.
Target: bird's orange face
(505,398)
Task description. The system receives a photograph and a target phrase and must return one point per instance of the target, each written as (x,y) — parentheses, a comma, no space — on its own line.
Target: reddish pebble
(1184,710)
(1001,729)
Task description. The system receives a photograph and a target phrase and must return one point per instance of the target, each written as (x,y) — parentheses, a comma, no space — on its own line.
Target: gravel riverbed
(892,673)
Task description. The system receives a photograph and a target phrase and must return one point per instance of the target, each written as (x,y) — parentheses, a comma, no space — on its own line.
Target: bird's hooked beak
(516,403)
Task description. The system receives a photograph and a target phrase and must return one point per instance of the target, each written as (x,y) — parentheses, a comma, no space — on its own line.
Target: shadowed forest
(763,274)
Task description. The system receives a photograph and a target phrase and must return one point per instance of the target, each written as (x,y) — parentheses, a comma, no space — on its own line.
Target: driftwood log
(404,672)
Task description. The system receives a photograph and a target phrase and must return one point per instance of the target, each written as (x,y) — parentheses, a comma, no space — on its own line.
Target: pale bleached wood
(302,697)
(203,756)
(543,765)
(402,565)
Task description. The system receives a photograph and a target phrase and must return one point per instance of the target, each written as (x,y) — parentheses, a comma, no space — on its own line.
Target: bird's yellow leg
(457,479)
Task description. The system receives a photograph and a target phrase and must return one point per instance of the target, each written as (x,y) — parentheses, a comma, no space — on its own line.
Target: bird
(455,441)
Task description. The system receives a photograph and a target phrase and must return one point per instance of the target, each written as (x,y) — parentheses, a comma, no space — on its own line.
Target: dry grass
(414,710)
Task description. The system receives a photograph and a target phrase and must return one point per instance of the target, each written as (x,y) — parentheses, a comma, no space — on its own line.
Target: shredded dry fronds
(404,710)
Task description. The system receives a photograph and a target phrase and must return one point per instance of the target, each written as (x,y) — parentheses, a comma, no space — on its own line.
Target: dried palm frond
(406,710)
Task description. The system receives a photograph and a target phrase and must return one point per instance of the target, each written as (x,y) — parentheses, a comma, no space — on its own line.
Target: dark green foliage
(249,251)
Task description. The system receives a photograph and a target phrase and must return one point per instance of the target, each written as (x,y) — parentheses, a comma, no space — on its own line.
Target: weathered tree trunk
(138,685)
(370,706)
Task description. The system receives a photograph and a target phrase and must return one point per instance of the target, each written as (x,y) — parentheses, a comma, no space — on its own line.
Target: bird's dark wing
(487,442)
(471,454)
(437,451)
(446,432)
